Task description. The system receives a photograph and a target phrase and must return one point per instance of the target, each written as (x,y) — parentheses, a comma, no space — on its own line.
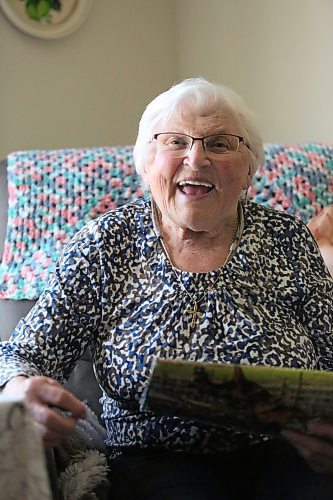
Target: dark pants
(268,471)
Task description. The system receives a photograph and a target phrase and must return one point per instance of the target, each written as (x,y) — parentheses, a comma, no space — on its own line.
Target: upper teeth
(195,183)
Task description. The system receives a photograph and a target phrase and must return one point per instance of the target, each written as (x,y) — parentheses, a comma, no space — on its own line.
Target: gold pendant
(195,314)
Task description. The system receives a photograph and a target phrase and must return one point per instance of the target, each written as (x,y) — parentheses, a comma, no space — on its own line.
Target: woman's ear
(249,176)
(145,175)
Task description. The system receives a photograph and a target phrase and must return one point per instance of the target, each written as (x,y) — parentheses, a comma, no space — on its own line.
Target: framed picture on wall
(46,18)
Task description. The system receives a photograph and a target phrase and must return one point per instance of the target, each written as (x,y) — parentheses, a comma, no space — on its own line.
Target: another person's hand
(316,447)
(54,409)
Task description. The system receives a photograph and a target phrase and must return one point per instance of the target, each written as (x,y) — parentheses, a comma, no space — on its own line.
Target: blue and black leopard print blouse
(113,288)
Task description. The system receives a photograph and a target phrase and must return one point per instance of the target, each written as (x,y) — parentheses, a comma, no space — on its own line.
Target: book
(242,397)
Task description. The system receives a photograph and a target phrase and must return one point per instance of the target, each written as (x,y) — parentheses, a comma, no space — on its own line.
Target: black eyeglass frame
(241,139)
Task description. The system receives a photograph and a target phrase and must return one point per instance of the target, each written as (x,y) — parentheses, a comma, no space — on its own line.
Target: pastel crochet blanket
(297,178)
(54,193)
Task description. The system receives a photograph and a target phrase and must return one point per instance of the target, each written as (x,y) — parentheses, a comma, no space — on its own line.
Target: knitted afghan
(52,194)
(297,178)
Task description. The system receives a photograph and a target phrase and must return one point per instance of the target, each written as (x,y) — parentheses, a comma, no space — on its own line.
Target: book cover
(243,397)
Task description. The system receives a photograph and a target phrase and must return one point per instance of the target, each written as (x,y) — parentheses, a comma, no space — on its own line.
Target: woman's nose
(196,157)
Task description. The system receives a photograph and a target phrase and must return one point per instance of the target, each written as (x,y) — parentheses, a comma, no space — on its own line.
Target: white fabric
(23,472)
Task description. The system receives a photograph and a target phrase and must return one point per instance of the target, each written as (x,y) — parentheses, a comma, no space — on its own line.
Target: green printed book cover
(243,397)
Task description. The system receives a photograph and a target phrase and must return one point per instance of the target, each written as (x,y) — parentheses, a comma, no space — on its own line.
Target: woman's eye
(176,141)
(219,145)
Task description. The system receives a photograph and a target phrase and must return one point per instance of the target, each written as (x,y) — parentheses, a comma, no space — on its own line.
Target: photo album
(243,397)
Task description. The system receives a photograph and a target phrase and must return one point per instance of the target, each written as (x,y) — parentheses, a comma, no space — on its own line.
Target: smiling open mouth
(195,187)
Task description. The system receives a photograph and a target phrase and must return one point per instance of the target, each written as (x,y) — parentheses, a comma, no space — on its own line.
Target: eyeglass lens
(179,144)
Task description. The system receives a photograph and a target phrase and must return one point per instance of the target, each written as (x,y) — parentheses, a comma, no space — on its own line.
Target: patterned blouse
(114,289)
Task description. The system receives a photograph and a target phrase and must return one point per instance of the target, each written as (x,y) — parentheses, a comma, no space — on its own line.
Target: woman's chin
(196,221)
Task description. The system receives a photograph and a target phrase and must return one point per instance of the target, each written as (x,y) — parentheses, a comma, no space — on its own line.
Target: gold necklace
(196,314)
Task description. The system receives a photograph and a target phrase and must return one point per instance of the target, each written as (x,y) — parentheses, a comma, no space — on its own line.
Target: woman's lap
(269,471)
(174,476)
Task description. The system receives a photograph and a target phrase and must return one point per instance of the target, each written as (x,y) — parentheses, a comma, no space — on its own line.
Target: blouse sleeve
(317,304)
(56,332)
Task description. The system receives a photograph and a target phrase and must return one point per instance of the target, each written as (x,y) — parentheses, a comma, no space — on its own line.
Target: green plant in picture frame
(41,9)
(49,19)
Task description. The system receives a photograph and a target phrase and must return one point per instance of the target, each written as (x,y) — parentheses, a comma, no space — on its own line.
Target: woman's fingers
(317,450)
(321,428)
(53,426)
(51,418)
(50,392)
(57,396)
(54,409)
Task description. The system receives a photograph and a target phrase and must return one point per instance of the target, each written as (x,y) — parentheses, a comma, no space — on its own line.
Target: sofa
(296,177)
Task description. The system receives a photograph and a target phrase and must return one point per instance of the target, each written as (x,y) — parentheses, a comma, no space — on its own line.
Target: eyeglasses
(178,145)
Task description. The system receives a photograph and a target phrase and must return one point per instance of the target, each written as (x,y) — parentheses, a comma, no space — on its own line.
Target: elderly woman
(193,272)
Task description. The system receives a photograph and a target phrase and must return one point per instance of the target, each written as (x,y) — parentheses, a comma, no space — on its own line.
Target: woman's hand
(45,400)
(316,447)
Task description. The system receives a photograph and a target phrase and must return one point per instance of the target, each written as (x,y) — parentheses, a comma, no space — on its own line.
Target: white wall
(278,54)
(90,88)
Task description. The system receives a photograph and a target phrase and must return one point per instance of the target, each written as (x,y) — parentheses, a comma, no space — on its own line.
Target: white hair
(202,96)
